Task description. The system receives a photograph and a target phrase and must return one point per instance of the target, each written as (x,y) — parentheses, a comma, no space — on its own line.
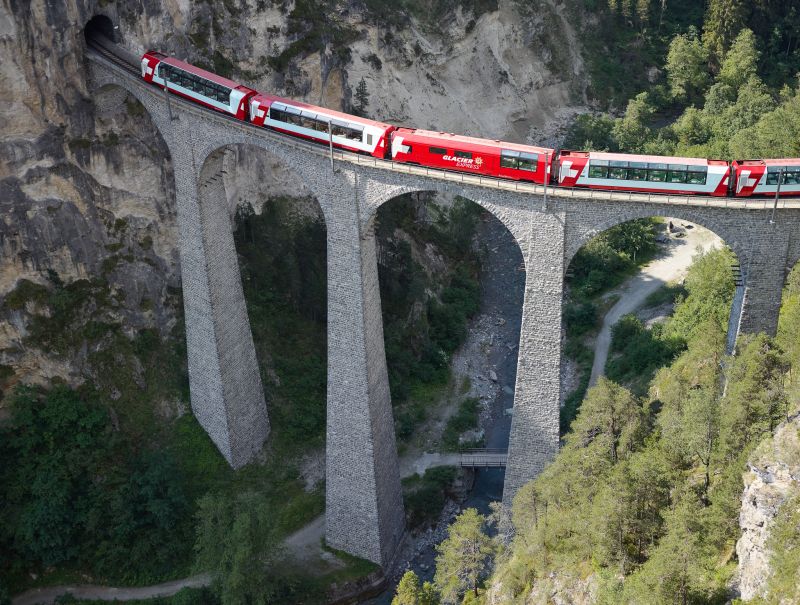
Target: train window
(509,159)
(598,169)
(676,173)
(463,154)
(637,171)
(657,172)
(369,139)
(437,150)
(528,161)
(696,177)
(791,175)
(618,170)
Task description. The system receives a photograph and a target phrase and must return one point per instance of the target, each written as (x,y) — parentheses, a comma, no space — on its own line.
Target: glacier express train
(448,151)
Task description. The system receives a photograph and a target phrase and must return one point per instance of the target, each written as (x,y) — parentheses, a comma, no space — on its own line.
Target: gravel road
(47,596)
(670,266)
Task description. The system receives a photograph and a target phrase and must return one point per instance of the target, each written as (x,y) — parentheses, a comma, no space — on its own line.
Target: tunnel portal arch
(103,26)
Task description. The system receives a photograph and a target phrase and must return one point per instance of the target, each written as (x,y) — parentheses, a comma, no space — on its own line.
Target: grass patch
(668,293)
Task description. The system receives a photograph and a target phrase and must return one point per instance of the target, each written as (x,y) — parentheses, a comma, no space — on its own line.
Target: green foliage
(632,130)
(580,317)
(236,537)
(755,401)
(590,131)
(640,351)
(648,495)
(740,64)
(687,67)
(463,557)
(411,592)
(362,98)
(282,262)
(710,288)
(26,291)
(425,496)
(723,22)
(465,419)
(611,256)
(789,320)
(66,472)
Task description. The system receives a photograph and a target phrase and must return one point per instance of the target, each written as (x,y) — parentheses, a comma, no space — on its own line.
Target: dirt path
(669,267)
(46,596)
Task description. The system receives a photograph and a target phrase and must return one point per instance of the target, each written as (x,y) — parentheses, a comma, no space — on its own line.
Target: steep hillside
(89,196)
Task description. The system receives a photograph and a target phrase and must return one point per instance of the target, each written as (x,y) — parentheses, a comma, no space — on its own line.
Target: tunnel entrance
(100,26)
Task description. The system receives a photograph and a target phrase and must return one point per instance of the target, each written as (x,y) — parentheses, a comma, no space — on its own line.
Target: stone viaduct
(364,505)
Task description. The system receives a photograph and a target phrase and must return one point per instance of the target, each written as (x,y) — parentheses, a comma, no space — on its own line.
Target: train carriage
(197,84)
(761,177)
(648,174)
(310,122)
(470,154)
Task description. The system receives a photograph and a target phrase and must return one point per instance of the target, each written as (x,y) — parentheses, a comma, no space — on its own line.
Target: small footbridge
(472,458)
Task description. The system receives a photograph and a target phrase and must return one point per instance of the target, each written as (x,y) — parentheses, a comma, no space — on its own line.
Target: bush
(79,493)
(424,497)
(465,419)
(579,318)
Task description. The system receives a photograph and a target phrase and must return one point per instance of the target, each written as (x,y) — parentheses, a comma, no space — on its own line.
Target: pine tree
(463,557)
(723,22)
(362,97)
(410,592)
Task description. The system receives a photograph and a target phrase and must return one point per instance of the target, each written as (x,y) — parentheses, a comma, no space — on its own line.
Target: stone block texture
(364,509)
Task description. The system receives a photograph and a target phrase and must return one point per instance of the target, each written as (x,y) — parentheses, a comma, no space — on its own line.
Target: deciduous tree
(687,67)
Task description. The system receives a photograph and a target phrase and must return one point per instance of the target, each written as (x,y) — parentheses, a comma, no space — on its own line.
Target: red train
(448,151)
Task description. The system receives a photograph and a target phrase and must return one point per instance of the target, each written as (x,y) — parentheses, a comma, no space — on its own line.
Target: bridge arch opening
(452,279)
(101,26)
(279,239)
(635,292)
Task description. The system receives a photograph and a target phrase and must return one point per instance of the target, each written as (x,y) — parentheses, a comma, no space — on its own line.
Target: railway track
(109,52)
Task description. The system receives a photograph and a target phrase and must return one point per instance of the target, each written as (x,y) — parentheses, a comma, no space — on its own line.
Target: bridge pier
(364,503)
(764,276)
(224,381)
(535,424)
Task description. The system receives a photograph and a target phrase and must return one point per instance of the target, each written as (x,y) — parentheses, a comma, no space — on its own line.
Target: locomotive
(449,151)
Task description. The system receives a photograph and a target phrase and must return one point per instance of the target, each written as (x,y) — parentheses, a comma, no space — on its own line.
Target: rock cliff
(772,480)
(87,194)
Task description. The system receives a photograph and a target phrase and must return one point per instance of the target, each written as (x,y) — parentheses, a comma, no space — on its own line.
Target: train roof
(769,162)
(324,110)
(201,72)
(433,137)
(653,159)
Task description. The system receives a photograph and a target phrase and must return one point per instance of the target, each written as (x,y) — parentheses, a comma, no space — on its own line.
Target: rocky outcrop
(772,479)
(556,589)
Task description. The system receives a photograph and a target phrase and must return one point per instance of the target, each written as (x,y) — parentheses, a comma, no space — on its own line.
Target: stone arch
(378,194)
(734,241)
(101,25)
